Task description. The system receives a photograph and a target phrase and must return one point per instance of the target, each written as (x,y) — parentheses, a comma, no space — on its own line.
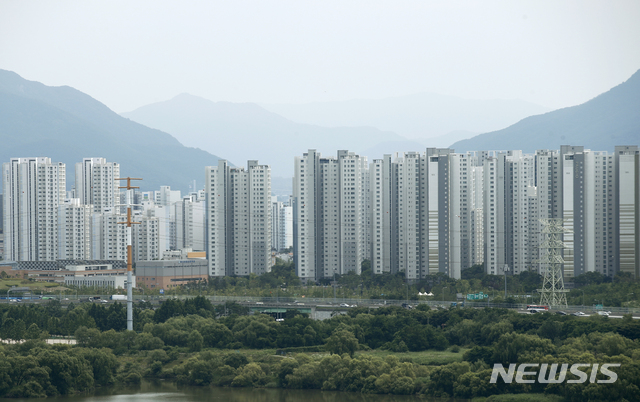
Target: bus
(537,308)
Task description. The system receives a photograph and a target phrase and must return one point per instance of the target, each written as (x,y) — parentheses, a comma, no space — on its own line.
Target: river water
(169,392)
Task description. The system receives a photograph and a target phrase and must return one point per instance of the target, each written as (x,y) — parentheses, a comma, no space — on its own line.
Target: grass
(5,284)
(426,357)
(520,398)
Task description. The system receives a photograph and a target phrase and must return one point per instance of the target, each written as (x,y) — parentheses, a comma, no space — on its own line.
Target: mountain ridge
(67,125)
(415,116)
(609,119)
(247,131)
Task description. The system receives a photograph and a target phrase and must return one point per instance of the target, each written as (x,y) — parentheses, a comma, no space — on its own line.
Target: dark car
(561,312)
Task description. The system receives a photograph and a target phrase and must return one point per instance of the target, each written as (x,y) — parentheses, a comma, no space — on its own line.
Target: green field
(427,357)
(520,398)
(36,287)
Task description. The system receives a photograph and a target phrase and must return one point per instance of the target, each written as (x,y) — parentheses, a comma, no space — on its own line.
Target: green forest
(389,350)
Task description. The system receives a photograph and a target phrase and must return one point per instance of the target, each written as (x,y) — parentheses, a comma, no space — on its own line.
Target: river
(160,391)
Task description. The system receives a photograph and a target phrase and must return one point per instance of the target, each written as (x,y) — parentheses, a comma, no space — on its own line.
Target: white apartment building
(586,210)
(330,214)
(519,173)
(466,210)
(238,219)
(109,238)
(407,216)
(626,209)
(96,183)
(442,205)
(548,196)
(166,226)
(189,223)
(380,174)
(426,213)
(282,228)
(34,188)
(166,197)
(146,242)
(74,230)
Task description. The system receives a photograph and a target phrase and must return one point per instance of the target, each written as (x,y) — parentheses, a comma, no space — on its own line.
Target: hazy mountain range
(243,131)
(610,119)
(67,125)
(420,117)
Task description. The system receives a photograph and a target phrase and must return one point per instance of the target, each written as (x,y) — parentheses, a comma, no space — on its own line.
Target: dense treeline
(192,342)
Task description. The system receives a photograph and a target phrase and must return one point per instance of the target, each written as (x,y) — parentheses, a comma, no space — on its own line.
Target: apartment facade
(34,188)
(238,219)
(96,184)
(74,230)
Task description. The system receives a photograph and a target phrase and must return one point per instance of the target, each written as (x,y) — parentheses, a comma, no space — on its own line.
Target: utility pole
(506,268)
(129,253)
(334,285)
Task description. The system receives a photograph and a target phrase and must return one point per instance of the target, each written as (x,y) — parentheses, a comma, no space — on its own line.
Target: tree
(33,332)
(169,308)
(67,373)
(195,341)
(146,341)
(88,337)
(103,364)
(342,341)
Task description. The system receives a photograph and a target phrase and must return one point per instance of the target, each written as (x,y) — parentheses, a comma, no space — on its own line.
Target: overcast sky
(131,53)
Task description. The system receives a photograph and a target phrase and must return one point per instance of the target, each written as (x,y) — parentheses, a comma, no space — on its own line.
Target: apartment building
(96,184)
(238,219)
(74,230)
(626,210)
(109,238)
(189,223)
(282,228)
(33,188)
(146,243)
(330,216)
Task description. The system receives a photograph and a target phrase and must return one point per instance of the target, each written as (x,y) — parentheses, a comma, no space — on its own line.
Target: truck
(118,297)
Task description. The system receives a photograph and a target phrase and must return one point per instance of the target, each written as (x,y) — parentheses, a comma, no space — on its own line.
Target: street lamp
(505,269)
(443,295)
(407,286)
(582,299)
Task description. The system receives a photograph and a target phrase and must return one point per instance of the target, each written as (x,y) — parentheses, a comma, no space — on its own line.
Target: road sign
(161,291)
(477,296)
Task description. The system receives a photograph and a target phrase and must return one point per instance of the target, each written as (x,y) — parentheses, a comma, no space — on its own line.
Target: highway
(259,303)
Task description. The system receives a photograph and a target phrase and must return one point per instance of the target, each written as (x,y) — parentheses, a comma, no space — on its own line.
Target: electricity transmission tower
(552,293)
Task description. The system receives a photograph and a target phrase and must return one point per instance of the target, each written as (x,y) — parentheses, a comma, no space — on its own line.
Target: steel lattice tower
(552,293)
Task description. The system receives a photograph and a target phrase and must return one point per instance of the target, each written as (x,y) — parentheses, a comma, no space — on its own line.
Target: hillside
(243,131)
(418,116)
(67,125)
(610,119)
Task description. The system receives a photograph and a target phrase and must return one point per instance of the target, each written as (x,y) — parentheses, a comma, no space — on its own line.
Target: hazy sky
(131,53)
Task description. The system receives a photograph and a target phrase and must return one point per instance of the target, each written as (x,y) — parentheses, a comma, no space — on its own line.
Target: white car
(578,313)
(605,313)
(344,305)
